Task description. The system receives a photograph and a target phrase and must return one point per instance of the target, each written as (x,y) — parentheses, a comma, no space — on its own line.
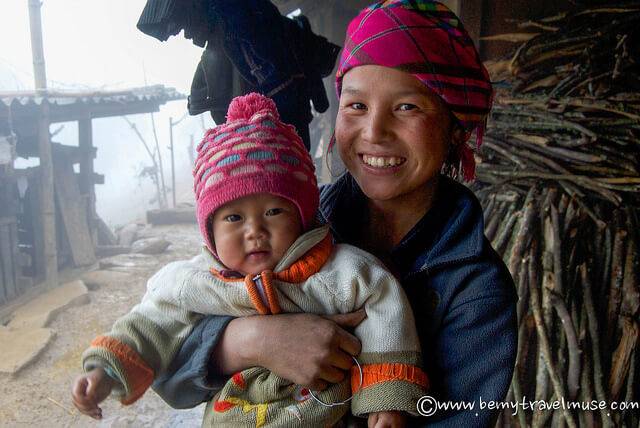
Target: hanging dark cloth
(249,47)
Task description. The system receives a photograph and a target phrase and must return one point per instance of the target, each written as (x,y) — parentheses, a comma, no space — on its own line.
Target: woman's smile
(385,162)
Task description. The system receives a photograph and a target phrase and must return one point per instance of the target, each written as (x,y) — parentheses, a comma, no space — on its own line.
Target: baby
(256,199)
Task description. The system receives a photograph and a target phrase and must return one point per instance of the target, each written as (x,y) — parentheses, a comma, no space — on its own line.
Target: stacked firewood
(559,180)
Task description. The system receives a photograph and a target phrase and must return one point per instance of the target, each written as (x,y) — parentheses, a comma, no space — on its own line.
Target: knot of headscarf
(427,40)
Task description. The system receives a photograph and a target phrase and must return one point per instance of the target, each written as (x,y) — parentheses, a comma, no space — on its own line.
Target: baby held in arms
(266,253)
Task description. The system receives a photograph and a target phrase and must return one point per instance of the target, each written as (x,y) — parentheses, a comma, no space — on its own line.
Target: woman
(412,90)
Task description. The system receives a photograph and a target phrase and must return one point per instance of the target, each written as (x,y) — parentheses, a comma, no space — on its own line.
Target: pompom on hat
(427,40)
(253,152)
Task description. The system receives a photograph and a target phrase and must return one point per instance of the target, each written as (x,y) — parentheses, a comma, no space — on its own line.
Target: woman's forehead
(375,79)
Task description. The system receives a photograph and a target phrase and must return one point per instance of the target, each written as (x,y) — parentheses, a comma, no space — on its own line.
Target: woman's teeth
(382,162)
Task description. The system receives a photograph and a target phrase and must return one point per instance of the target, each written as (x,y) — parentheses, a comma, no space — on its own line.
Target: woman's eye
(233,217)
(407,107)
(274,211)
(357,106)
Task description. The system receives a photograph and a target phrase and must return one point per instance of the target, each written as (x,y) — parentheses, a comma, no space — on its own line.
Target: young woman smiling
(412,90)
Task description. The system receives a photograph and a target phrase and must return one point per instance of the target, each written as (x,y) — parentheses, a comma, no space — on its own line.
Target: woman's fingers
(348,320)
(307,349)
(341,360)
(347,342)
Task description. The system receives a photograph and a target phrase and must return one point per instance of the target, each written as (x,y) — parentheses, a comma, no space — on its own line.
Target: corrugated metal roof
(62,98)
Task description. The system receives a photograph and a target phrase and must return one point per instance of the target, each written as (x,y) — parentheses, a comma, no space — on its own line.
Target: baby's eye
(233,217)
(407,107)
(274,211)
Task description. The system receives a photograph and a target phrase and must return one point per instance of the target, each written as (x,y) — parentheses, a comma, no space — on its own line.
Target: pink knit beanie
(253,152)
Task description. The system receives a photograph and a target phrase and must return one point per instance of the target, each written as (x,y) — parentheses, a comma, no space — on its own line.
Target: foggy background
(94,44)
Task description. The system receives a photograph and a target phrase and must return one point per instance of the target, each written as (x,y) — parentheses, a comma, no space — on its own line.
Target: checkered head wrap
(253,152)
(427,40)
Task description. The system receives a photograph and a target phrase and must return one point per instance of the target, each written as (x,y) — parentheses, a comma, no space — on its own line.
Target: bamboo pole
(44,150)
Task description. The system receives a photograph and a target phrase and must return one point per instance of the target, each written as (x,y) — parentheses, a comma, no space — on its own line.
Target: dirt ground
(39,394)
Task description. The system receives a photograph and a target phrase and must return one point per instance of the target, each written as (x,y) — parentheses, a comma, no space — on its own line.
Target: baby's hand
(390,419)
(90,389)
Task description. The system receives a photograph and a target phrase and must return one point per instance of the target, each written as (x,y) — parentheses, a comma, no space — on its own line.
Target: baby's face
(251,234)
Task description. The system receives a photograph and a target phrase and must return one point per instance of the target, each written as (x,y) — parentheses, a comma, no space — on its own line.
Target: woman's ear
(457,134)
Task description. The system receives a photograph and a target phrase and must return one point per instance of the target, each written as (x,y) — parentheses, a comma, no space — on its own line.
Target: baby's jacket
(314,276)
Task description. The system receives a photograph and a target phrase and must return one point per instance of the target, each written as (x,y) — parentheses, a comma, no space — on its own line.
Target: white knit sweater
(142,344)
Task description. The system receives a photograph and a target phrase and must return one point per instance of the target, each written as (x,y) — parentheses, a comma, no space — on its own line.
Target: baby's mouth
(258,253)
(383,161)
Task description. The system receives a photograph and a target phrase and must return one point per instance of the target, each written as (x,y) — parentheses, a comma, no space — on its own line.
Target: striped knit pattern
(427,40)
(253,152)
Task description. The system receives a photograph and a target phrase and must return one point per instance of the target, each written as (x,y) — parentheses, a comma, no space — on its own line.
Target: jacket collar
(450,232)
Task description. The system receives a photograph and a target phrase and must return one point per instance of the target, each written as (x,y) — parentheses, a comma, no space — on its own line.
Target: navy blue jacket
(462,295)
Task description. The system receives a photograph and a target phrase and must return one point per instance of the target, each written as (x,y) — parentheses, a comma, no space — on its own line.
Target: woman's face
(393,132)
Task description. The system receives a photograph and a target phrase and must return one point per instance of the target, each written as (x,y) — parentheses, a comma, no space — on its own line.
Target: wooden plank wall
(73,209)
(9,260)
(9,252)
(33,228)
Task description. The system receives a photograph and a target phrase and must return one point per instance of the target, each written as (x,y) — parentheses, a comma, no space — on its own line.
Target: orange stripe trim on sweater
(270,291)
(219,275)
(377,373)
(308,264)
(139,374)
(255,295)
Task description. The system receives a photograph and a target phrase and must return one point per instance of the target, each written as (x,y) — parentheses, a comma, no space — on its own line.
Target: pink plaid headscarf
(427,40)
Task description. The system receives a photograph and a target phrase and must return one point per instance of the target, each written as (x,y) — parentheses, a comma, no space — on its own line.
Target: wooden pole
(86,182)
(173,163)
(44,148)
(37,51)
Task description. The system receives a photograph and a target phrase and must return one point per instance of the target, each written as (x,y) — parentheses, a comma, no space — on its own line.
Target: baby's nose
(255,229)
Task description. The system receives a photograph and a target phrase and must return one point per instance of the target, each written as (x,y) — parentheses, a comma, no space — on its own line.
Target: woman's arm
(187,382)
(475,356)
(307,349)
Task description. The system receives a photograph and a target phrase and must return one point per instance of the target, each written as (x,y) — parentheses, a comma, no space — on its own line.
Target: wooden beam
(15,250)
(24,115)
(47,200)
(86,182)
(33,205)
(28,147)
(73,111)
(7,263)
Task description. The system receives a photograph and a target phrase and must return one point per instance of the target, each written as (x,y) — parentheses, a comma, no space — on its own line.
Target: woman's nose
(376,126)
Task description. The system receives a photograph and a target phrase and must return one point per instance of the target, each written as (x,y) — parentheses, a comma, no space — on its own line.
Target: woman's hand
(309,350)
